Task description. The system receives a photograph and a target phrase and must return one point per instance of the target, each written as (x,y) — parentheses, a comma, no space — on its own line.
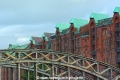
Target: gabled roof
(47,35)
(98,16)
(62,26)
(117,9)
(78,22)
(36,40)
(25,46)
(104,22)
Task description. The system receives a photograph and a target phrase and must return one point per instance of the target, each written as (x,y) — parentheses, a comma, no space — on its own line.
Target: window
(93,29)
(117,34)
(78,40)
(93,47)
(87,48)
(117,24)
(105,32)
(118,45)
(106,42)
(118,55)
(93,38)
(105,60)
(54,46)
(105,51)
(94,56)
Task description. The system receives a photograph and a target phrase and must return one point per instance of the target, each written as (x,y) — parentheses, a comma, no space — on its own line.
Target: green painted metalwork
(18,46)
(25,46)
(98,16)
(53,63)
(117,9)
(62,26)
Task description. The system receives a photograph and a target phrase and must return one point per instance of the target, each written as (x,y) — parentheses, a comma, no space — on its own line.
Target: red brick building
(97,38)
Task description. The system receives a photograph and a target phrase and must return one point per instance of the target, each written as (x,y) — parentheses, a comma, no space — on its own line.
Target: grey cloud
(20,19)
(44,11)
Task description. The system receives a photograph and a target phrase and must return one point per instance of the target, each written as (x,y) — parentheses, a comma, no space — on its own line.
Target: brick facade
(100,42)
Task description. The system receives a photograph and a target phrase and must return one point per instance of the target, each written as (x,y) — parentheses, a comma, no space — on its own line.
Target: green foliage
(31,74)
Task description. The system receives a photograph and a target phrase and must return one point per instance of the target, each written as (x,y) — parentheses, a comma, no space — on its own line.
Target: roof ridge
(99,13)
(79,19)
(117,9)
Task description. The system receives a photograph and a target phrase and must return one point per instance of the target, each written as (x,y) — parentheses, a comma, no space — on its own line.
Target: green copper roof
(117,9)
(46,38)
(62,26)
(43,35)
(31,39)
(98,16)
(18,46)
(78,22)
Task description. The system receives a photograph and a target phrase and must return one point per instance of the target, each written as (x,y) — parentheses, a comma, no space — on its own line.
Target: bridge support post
(35,67)
(52,68)
(111,78)
(83,73)
(12,74)
(52,72)
(28,75)
(18,67)
(68,71)
(35,71)
(42,69)
(18,71)
(97,70)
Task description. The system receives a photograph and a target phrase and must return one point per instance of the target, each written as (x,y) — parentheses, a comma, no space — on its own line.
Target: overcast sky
(21,19)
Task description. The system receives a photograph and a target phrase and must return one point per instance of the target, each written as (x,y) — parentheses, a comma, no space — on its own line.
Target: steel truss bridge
(57,64)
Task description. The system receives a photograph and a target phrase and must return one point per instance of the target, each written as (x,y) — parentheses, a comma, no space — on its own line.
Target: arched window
(105,32)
